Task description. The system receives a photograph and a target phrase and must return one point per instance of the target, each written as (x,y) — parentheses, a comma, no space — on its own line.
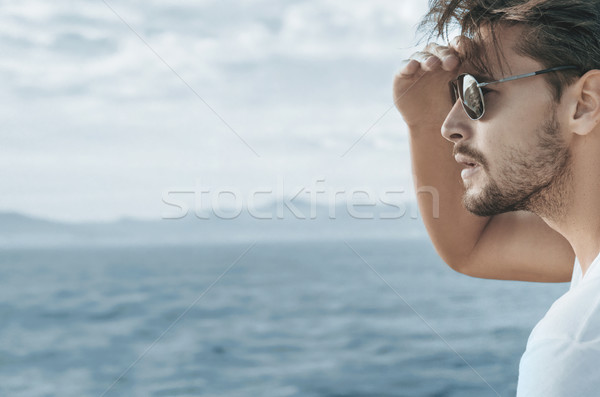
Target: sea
(311,318)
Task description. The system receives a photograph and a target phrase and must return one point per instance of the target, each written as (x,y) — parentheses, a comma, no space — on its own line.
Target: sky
(109,107)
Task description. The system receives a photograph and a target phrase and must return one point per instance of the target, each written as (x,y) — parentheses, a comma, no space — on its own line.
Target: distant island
(369,222)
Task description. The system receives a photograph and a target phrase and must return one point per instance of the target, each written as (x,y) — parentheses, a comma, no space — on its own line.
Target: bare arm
(511,246)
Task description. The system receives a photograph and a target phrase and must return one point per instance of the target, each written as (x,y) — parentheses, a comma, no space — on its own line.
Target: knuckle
(420,56)
(431,47)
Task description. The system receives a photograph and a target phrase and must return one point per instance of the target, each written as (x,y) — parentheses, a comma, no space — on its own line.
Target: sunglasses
(466,88)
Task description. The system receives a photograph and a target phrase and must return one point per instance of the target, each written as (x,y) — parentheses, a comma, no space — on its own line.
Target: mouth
(471,166)
(468,161)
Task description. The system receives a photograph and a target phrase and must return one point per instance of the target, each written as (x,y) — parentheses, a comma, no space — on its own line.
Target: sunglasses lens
(453,92)
(472,98)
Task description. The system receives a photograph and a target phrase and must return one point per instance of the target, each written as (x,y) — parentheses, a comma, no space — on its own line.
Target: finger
(455,42)
(439,50)
(435,56)
(450,62)
(423,59)
(421,56)
(431,63)
(458,44)
(447,57)
(409,67)
(434,48)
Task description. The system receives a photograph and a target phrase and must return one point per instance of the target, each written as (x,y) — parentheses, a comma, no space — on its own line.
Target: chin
(475,208)
(484,202)
(490,202)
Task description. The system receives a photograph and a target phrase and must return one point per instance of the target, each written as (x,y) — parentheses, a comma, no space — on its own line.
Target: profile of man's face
(522,159)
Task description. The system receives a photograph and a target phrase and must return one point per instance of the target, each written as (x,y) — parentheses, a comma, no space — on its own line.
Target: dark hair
(556,32)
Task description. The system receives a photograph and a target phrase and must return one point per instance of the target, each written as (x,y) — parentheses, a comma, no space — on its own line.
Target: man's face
(516,156)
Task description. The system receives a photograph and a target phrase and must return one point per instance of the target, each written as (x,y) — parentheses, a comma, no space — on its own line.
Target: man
(517,164)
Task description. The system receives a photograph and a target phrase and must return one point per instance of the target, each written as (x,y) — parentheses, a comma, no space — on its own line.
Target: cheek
(519,106)
(506,148)
(514,129)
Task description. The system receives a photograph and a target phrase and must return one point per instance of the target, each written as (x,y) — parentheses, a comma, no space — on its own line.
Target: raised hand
(421,91)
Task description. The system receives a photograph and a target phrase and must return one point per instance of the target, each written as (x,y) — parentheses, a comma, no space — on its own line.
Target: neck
(575,212)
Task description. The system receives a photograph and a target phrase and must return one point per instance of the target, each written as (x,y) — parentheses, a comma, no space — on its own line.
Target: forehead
(492,54)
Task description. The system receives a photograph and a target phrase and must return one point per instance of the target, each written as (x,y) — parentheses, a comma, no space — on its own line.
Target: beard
(534,180)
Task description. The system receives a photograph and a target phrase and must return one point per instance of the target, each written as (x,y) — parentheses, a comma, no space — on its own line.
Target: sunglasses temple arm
(528,75)
(508,79)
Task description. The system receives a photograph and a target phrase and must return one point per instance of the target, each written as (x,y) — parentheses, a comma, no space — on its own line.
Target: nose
(456,126)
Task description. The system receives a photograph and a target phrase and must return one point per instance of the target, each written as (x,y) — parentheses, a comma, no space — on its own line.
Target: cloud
(300,81)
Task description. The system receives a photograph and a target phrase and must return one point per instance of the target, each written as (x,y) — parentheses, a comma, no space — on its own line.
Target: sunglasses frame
(458,94)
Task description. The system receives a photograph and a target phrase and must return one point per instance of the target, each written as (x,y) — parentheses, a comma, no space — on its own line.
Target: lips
(462,159)
(472,167)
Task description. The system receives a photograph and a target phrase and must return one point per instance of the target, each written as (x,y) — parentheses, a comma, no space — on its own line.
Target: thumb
(457,43)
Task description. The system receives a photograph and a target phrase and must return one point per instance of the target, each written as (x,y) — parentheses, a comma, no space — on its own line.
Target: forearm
(453,230)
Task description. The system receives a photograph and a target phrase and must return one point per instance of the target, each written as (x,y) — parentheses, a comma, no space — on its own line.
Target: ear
(585,95)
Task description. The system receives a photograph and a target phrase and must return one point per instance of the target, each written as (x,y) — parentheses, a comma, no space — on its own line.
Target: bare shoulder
(520,246)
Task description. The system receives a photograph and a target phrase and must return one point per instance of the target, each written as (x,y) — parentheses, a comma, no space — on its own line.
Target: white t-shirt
(562,357)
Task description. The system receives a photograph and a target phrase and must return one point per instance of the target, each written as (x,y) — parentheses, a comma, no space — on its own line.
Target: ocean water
(306,318)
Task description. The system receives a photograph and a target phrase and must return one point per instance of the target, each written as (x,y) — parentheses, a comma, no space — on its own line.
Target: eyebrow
(483,78)
(479,74)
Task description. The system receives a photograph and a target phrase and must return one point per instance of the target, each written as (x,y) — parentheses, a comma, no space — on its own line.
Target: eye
(485,90)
